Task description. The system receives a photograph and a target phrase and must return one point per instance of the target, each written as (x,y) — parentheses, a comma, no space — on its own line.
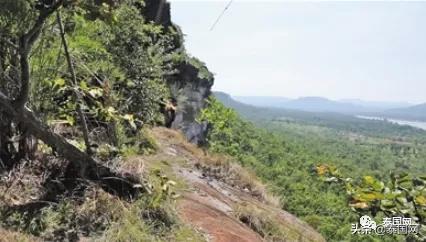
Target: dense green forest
(290,154)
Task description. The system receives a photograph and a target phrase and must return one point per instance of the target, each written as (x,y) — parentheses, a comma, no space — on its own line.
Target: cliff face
(190,86)
(191,90)
(158,11)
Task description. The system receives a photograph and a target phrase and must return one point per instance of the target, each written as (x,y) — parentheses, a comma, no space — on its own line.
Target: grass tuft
(265,224)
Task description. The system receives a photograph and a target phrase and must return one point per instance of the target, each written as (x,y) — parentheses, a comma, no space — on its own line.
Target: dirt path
(209,204)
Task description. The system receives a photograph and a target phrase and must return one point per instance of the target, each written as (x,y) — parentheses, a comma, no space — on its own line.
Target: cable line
(221,15)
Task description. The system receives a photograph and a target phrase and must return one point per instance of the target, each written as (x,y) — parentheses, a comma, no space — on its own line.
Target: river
(416,124)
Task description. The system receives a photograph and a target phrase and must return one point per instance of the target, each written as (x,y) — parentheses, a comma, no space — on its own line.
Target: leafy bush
(144,52)
(404,196)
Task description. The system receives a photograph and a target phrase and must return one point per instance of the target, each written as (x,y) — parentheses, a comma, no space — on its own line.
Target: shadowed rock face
(188,87)
(158,11)
(191,92)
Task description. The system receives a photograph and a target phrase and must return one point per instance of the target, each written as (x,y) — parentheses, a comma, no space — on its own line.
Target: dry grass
(11,236)
(177,139)
(94,210)
(226,169)
(237,176)
(133,165)
(25,182)
(265,223)
(99,208)
(219,166)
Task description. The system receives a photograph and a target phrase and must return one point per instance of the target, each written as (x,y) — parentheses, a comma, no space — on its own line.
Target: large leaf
(368,196)
(373,183)
(59,83)
(421,200)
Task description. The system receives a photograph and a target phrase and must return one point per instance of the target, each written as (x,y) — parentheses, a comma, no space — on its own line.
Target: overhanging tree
(16,116)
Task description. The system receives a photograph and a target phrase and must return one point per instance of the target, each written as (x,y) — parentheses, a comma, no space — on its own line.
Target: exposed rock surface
(191,91)
(158,11)
(210,205)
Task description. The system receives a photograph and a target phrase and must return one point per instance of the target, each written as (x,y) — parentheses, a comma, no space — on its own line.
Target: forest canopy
(322,174)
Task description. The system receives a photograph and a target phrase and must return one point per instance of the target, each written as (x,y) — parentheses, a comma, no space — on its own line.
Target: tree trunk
(74,83)
(16,111)
(86,166)
(6,154)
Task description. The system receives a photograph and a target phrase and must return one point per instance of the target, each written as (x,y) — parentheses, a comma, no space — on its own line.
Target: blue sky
(368,50)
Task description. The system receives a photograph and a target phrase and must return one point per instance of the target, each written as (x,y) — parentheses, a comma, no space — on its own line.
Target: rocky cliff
(191,90)
(158,11)
(192,83)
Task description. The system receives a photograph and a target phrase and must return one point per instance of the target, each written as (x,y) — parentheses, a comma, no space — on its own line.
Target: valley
(286,147)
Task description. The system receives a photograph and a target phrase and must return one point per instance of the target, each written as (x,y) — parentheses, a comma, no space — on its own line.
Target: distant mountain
(270,113)
(248,111)
(376,104)
(228,101)
(417,112)
(397,110)
(309,104)
(259,101)
(334,120)
(252,112)
(320,104)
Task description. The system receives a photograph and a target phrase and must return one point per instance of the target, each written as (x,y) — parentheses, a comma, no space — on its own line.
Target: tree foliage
(402,196)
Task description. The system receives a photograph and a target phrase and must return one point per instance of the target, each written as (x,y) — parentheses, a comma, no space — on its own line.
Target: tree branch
(26,43)
(74,82)
(10,43)
(32,35)
(6,104)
